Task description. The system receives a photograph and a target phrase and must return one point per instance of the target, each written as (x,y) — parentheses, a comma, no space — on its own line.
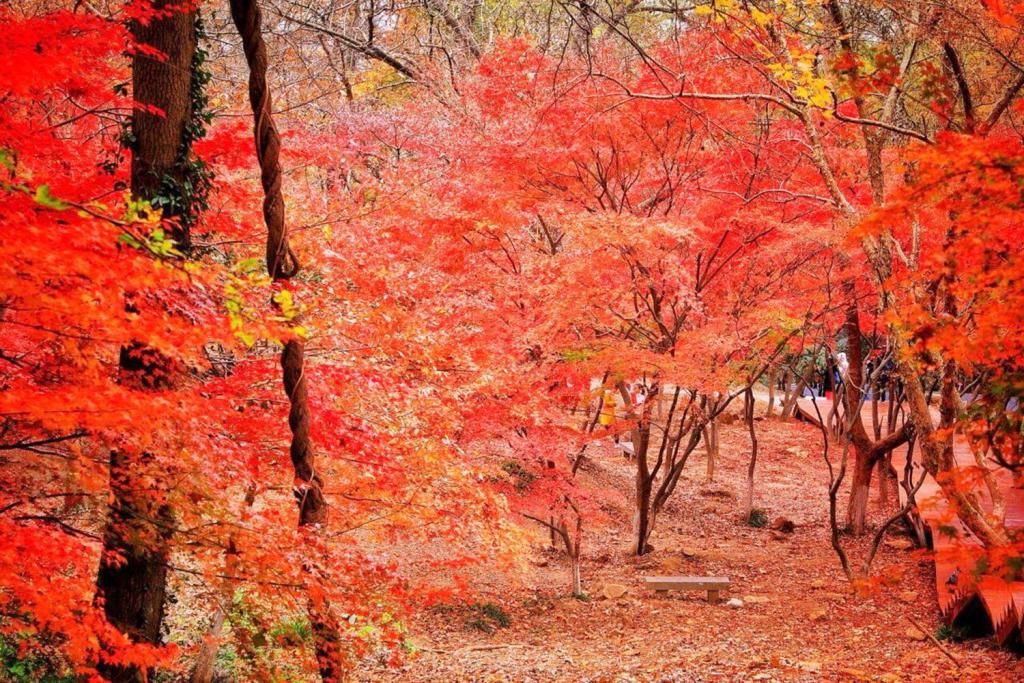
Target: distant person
(607,416)
(638,395)
(828,379)
(842,371)
(869,379)
(884,377)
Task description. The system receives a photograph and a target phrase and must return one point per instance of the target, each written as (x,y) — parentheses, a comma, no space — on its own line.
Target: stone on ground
(613,591)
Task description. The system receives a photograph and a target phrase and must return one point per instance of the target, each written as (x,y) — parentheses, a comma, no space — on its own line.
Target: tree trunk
(132,579)
(642,520)
(860,487)
(878,453)
(642,517)
(888,486)
(773,377)
(792,396)
(711,446)
(938,458)
(853,422)
(643,524)
(748,414)
(575,554)
(202,670)
(161,137)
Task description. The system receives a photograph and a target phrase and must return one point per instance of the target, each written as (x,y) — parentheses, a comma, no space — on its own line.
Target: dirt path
(799,620)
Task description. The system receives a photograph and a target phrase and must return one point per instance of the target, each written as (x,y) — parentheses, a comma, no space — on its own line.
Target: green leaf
(125,238)
(249,265)
(44,198)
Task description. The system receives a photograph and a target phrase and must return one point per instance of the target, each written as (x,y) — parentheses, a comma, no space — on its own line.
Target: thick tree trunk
(160,137)
(330,657)
(132,579)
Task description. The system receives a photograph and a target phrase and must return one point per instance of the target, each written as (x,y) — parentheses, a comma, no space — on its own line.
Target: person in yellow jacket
(607,417)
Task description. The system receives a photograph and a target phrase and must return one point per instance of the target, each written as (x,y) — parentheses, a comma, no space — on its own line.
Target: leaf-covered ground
(800,620)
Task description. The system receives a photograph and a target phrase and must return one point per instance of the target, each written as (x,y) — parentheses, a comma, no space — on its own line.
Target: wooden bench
(711,584)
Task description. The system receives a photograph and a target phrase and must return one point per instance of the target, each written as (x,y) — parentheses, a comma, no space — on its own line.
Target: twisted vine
(282,264)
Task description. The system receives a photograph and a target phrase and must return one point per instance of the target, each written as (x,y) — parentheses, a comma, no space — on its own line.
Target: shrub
(486,617)
(521,477)
(758,518)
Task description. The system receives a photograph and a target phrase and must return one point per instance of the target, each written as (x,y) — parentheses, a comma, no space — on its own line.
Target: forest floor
(800,620)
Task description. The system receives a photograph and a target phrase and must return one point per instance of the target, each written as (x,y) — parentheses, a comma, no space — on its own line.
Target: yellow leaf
(821,98)
(760,18)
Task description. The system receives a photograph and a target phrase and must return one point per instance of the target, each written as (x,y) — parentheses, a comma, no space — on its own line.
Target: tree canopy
(288,287)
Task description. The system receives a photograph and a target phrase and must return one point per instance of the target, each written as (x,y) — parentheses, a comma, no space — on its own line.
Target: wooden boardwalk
(966,595)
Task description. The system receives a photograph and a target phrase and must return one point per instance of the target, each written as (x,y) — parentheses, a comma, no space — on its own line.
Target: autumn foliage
(493,246)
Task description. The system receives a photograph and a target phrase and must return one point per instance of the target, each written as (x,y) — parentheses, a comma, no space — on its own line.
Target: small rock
(818,583)
(810,667)
(818,614)
(542,562)
(613,591)
(735,603)
(908,597)
(780,536)
(756,599)
(899,543)
(915,633)
(672,565)
(690,552)
(783,525)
